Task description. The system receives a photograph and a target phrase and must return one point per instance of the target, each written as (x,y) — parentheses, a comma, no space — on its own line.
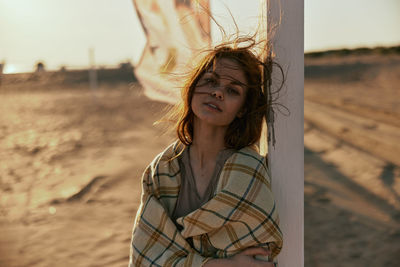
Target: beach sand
(71,164)
(71,160)
(352,163)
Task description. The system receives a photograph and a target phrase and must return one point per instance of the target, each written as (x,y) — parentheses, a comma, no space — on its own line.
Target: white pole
(287,158)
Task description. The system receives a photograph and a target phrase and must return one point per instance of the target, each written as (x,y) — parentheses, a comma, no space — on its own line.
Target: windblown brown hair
(243,131)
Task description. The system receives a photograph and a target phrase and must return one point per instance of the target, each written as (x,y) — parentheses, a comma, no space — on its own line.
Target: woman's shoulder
(167,158)
(170,151)
(244,165)
(249,155)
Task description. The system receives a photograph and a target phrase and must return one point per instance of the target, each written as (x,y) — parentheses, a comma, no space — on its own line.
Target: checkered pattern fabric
(241,214)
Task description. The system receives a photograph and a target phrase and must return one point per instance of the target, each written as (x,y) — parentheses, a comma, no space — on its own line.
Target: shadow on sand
(339,229)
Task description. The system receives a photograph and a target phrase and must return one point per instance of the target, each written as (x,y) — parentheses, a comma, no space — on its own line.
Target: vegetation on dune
(69,77)
(380,50)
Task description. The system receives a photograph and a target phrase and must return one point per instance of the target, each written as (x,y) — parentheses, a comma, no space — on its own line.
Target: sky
(332,24)
(61,32)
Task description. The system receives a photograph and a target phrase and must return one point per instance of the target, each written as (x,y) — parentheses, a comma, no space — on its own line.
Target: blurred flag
(175,29)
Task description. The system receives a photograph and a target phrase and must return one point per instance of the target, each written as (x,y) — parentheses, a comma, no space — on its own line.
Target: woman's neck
(208,141)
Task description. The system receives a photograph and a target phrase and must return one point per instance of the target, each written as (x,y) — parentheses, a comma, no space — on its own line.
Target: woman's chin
(213,122)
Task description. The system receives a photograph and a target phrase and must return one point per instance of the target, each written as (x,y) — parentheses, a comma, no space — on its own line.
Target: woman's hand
(244,258)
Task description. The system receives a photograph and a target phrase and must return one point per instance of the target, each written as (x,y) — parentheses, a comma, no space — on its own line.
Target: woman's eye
(232,91)
(210,81)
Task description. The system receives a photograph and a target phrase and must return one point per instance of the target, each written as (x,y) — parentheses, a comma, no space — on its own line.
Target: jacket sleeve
(155,239)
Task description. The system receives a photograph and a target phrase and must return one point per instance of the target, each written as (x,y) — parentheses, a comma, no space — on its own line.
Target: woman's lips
(213,106)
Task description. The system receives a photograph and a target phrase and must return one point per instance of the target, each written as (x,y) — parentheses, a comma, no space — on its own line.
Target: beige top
(189,198)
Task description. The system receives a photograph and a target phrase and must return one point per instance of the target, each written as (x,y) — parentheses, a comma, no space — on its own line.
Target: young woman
(207,198)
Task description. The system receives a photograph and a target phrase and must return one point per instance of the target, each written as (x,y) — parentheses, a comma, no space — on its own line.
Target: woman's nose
(217,93)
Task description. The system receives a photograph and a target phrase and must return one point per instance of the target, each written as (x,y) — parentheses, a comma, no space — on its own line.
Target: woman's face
(220,93)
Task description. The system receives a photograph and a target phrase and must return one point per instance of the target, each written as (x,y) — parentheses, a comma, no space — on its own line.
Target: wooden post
(287,157)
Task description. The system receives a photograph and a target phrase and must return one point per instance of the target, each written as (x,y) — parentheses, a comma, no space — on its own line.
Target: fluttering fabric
(174,30)
(241,214)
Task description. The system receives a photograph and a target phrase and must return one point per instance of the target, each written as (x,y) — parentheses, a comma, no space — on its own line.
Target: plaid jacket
(241,214)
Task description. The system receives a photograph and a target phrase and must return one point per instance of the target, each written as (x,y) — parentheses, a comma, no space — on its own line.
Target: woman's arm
(252,218)
(155,239)
(242,211)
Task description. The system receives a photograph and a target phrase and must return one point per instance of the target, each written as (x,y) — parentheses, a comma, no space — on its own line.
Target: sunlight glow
(59,33)
(9,68)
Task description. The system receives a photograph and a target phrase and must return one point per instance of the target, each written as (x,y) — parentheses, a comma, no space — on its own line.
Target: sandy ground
(352,163)
(71,160)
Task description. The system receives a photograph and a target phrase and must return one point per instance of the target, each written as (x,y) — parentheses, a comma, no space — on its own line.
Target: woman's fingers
(247,258)
(266,264)
(255,251)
